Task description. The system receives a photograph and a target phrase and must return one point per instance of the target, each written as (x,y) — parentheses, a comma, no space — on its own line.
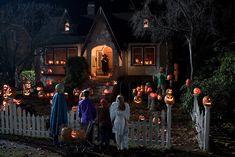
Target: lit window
(143,55)
(66,26)
(137,55)
(72,52)
(49,56)
(59,56)
(146,23)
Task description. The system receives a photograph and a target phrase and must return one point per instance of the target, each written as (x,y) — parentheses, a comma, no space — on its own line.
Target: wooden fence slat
(2,122)
(15,130)
(150,131)
(33,125)
(38,128)
(11,118)
(144,133)
(163,128)
(28,124)
(19,115)
(24,123)
(7,120)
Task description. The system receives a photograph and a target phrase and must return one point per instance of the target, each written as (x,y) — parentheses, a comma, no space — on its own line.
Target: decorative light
(207,101)
(114,82)
(57,62)
(197,91)
(169,99)
(137,99)
(27,88)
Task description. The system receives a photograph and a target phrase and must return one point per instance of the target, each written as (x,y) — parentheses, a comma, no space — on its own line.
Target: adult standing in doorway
(105,64)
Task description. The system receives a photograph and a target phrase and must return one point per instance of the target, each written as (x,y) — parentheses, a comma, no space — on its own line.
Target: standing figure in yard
(59,116)
(105,64)
(120,114)
(160,80)
(87,114)
(105,125)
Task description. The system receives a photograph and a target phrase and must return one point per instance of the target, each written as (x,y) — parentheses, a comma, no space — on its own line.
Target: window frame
(143,54)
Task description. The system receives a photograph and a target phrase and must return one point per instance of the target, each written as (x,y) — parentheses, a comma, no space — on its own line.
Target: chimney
(91,8)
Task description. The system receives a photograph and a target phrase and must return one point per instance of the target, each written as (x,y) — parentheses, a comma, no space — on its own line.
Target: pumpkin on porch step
(66,134)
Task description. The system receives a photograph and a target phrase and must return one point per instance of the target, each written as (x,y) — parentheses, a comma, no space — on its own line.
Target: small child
(105,125)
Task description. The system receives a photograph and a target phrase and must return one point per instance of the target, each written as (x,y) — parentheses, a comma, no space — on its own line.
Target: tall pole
(168,137)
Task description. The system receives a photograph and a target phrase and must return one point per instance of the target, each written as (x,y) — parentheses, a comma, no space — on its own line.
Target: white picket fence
(16,121)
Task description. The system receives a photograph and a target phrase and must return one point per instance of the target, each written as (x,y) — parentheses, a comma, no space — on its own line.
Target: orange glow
(50,62)
(49,71)
(49,82)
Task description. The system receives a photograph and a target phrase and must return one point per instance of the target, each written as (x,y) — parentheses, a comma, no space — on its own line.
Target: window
(143,55)
(67,27)
(58,56)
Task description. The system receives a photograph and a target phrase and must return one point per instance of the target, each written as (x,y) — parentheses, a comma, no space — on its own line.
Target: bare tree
(186,17)
(20,26)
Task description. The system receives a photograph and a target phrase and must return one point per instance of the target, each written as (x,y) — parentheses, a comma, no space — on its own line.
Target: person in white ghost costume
(119,115)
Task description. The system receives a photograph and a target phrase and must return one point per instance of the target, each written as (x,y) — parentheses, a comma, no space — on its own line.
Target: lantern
(169,91)
(153,95)
(207,101)
(197,91)
(188,82)
(76,91)
(169,77)
(137,99)
(66,134)
(141,117)
(169,99)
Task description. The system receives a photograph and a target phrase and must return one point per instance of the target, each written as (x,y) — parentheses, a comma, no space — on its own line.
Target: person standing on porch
(59,116)
(119,115)
(105,64)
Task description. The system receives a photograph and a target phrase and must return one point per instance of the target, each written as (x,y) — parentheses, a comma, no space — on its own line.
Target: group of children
(111,118)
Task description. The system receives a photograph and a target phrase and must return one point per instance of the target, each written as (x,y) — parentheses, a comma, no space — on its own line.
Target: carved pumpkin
(169,77)
(169,99)
(188,82)
(41,94)
(197,91)
(169,91)
(66,134)
(137,99)
(10,92)
(39,86)
(207,101)
(153,95)
(141,117)
(81,135)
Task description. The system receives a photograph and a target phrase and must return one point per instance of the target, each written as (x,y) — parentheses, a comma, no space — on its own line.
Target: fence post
(168,137)
(206,128)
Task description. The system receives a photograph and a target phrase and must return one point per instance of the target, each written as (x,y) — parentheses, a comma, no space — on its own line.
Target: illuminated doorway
(96,57)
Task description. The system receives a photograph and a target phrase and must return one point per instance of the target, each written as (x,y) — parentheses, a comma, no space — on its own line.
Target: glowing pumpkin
(106,91)
(149,90)
(169,99)
(169,77)
(153,95)
(169,91)
(137,99)
(141,117)
(207,101)
(41,94)
(81,135)
(139,93)
(66,134)
(197,91)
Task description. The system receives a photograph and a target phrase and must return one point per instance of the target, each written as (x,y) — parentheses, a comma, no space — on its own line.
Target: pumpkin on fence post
(197,91)
(207,101)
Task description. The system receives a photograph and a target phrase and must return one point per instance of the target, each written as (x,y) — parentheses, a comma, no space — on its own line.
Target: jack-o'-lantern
(66,134)
(106,91)
(169,91)
(137,99)
(10,92)
(169,77)
(197,91)
(158,121)
(188,82)
(41,94)
(39,86)
(207,101)
(142,88)
(153,95)
(76,91)
(169,99)
(141,117)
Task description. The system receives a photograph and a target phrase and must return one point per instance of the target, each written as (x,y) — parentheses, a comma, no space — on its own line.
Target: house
(97,33)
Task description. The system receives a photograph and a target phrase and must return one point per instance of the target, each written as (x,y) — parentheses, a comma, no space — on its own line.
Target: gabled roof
(102,14)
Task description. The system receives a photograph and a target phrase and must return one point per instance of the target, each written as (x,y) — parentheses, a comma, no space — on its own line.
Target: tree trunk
(190,57)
